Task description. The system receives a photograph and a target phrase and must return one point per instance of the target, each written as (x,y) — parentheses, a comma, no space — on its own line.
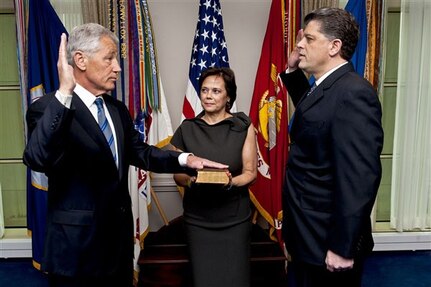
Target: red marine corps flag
(269,114)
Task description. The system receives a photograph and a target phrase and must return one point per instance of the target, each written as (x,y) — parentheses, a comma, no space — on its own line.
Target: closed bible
(211,175)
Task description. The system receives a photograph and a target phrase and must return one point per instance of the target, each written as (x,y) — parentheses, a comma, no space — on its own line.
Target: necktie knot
(313,87)
(99,103)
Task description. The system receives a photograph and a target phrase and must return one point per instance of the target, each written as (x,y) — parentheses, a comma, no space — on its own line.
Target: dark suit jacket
(334,169)
(89,224)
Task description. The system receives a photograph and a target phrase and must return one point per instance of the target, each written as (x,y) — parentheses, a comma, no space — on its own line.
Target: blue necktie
(104,126)
(313,87)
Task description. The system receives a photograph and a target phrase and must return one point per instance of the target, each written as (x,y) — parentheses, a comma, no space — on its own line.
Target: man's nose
(116,67)
(300,43)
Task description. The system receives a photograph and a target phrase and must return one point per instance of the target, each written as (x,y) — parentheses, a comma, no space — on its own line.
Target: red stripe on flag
(201,59)
(188,111)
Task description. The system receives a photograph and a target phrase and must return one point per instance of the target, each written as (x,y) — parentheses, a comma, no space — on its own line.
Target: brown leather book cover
(211,175)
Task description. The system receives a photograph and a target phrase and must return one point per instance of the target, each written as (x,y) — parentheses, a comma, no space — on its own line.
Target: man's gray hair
(86,38)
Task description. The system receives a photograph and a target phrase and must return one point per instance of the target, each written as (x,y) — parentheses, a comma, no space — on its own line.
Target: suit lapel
(311,99)
(307,102)
(119,131)
(86,120)
(318,94)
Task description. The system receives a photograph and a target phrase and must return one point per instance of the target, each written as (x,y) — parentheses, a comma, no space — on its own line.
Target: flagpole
(159,207)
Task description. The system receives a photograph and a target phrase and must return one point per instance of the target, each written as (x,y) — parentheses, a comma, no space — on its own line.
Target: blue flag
(44,31)
(359,11)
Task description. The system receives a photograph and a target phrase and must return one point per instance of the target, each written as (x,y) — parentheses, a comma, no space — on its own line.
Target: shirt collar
(87,97)
(328,73)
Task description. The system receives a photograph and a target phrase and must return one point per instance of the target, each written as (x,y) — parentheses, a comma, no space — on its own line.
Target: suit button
(122,209)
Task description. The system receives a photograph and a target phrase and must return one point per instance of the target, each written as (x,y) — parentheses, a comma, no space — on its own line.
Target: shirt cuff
(65,100)
(182,158)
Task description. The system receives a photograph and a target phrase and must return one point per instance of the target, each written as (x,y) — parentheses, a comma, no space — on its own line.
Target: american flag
(209,50)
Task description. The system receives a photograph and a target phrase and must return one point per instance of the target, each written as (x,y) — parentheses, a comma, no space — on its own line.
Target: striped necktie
(104,126)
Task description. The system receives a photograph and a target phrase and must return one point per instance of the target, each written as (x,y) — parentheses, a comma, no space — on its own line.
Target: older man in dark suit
(85,140)
(334,169)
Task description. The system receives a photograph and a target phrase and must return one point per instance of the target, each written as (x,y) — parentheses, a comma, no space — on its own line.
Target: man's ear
(80,60)
(336,47)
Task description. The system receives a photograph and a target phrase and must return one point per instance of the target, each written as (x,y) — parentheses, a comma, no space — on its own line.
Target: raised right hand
(293,58)
(65,71)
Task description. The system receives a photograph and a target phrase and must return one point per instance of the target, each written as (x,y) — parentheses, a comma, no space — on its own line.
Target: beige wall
(174,24)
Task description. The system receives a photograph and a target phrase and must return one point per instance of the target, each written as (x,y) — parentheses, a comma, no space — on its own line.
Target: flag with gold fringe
(140,88)
(374,48)
(366,59)
(269,113)
(38,39)
(358,10)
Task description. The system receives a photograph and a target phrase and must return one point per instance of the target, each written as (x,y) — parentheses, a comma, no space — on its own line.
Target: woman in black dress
(217,217)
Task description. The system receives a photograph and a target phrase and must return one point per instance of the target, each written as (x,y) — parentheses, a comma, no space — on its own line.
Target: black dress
(217,220)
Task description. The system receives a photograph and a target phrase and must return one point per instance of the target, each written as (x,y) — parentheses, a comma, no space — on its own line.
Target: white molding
(388,241)
(16,243)
(163,182)
(15,248)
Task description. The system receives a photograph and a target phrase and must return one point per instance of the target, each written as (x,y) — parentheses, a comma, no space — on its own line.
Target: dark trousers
(301,274)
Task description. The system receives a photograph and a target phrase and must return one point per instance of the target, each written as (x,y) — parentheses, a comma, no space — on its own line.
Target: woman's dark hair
(229,81)
(337,23)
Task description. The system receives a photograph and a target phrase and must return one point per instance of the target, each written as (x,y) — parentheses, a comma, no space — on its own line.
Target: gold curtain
(310,5)
(374,23)
(95,11)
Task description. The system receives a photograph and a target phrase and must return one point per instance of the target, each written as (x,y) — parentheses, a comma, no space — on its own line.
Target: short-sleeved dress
(217,220)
